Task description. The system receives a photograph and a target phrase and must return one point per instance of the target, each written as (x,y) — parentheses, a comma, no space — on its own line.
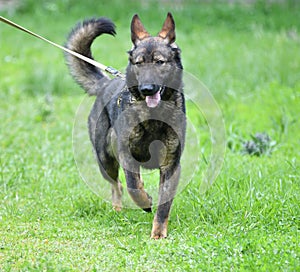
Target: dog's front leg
(167,190)
(135,187)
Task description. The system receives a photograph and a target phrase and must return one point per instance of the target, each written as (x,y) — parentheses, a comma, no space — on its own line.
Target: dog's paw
(117,208)
(141,198)
(117,192)
(159,230)
(158,235)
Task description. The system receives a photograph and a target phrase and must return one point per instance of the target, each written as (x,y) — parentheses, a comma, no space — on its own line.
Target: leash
(108,69)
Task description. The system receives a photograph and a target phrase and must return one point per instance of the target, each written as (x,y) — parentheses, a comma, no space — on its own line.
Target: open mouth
(152,101)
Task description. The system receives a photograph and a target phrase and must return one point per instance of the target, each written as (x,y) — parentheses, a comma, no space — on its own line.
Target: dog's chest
(151,135)
(152,141)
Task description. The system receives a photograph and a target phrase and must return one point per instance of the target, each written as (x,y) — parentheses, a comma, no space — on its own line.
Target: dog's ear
(168,30)
(138,31)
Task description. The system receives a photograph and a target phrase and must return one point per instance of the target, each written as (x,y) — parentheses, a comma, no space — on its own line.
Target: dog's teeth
(161,89)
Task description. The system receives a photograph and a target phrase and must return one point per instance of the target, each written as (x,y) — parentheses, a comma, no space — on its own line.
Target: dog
(136,122)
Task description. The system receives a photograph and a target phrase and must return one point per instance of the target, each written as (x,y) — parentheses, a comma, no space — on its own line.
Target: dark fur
(124,130)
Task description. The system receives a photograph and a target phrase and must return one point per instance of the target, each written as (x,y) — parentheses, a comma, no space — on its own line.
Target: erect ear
(138,31)
(168,30)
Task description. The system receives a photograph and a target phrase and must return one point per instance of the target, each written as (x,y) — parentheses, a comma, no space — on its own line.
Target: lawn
(247,55)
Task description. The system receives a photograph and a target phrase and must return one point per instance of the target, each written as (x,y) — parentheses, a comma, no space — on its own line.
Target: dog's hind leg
(109,171)
(135,187)
(99,129)
(117,191)
(167,189)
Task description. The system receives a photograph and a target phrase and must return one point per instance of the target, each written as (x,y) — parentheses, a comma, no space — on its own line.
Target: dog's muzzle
(149,89)
(152,92)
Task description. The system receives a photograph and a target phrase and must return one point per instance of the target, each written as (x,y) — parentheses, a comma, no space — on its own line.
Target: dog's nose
(148,89)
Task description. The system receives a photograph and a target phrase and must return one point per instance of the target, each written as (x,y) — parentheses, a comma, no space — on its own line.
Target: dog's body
(140,122)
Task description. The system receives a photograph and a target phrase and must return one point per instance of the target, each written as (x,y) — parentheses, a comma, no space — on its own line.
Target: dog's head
(154,62)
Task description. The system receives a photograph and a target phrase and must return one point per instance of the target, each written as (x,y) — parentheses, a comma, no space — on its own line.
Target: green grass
(247,55)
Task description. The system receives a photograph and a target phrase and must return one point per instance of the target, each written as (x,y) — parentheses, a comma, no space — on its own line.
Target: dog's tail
(89,77)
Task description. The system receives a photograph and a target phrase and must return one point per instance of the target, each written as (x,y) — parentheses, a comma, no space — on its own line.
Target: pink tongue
(153,100)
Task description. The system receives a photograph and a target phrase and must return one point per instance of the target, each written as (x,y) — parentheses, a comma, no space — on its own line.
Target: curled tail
(89,77)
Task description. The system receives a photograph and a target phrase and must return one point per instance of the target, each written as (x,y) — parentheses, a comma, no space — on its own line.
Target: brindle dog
(140,122)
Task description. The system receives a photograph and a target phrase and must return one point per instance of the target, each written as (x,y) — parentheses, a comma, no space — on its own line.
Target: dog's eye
(138,62)
(160,62)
